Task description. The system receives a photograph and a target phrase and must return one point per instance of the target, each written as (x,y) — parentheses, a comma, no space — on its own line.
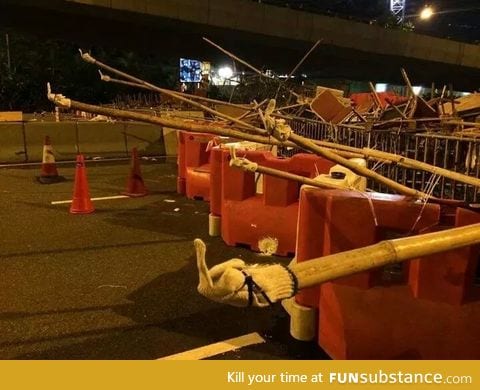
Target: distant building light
(381,87)
(225,72)
(417,90)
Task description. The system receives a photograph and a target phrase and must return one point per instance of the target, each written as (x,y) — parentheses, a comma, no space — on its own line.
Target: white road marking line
(217,348)
(103,198)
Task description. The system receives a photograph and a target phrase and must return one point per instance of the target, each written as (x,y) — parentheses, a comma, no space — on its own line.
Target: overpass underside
(91,26)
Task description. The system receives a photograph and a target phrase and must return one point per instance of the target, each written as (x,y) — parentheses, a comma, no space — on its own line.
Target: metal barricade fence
(457,154)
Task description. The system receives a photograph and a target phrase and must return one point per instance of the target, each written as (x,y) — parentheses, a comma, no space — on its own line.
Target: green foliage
(35,61)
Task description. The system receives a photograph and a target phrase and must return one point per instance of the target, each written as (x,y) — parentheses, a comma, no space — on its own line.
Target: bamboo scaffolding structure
(243,62)
(107,78)
(297,140)
(88,58)
(320,270)
(238,59)
(252,110)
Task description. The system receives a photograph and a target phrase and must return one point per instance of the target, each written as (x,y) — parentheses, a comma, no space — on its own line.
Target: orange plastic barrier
(423,308)
(333,221)
(193,178)
(247,216)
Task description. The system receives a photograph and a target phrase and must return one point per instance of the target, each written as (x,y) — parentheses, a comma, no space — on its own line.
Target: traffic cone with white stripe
(135,185)
(81,202)
(49,173)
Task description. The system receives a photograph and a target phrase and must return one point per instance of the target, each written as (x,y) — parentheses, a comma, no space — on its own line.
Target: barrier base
(390,323)
(181,185)
(214,225)
(198,183)
(50,179)
(302,320)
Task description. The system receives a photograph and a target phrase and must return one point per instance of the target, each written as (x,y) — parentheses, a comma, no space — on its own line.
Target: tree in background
(34,62)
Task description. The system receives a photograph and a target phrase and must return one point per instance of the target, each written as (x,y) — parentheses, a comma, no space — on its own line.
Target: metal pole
(9,63)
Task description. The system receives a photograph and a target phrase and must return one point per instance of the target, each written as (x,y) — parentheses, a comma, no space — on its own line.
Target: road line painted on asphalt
(217,348)
(103,198)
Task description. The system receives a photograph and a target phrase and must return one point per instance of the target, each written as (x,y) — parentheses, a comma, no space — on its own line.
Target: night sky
(457,19)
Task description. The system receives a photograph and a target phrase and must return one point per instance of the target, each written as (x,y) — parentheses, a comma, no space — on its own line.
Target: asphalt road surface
(119,283)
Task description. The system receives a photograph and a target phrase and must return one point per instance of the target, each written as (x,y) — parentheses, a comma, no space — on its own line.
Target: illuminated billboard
(190,71)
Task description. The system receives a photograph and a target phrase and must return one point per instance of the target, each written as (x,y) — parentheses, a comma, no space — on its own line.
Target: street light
(426,13)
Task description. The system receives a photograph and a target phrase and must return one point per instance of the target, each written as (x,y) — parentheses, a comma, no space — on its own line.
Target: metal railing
(457,154)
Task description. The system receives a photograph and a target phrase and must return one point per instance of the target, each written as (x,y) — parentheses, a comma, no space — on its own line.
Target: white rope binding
(58,99)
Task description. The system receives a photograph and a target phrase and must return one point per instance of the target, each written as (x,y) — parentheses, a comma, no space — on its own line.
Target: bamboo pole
(308,144)
(407,82)
(415,164)
(61,101)
(253,109)
(376,98)
(247,165)
(402,161)
(238,59)
(320,270)
(304,58)
(233,56)
(88,58)
(398,110)
(282,83)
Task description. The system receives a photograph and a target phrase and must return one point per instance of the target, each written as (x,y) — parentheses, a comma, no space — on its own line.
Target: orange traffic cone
(49,173)
(135,185)
(81,203)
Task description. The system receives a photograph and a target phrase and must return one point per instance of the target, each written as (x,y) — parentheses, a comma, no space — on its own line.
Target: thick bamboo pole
(62,101)
(414,164)
(316,271)
(402,161)
(358,169)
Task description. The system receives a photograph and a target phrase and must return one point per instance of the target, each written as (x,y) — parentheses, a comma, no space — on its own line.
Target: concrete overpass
(265,35)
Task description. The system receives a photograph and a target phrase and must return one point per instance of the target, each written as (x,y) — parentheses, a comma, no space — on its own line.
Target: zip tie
(242,163)
(282,130)
(105,77)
